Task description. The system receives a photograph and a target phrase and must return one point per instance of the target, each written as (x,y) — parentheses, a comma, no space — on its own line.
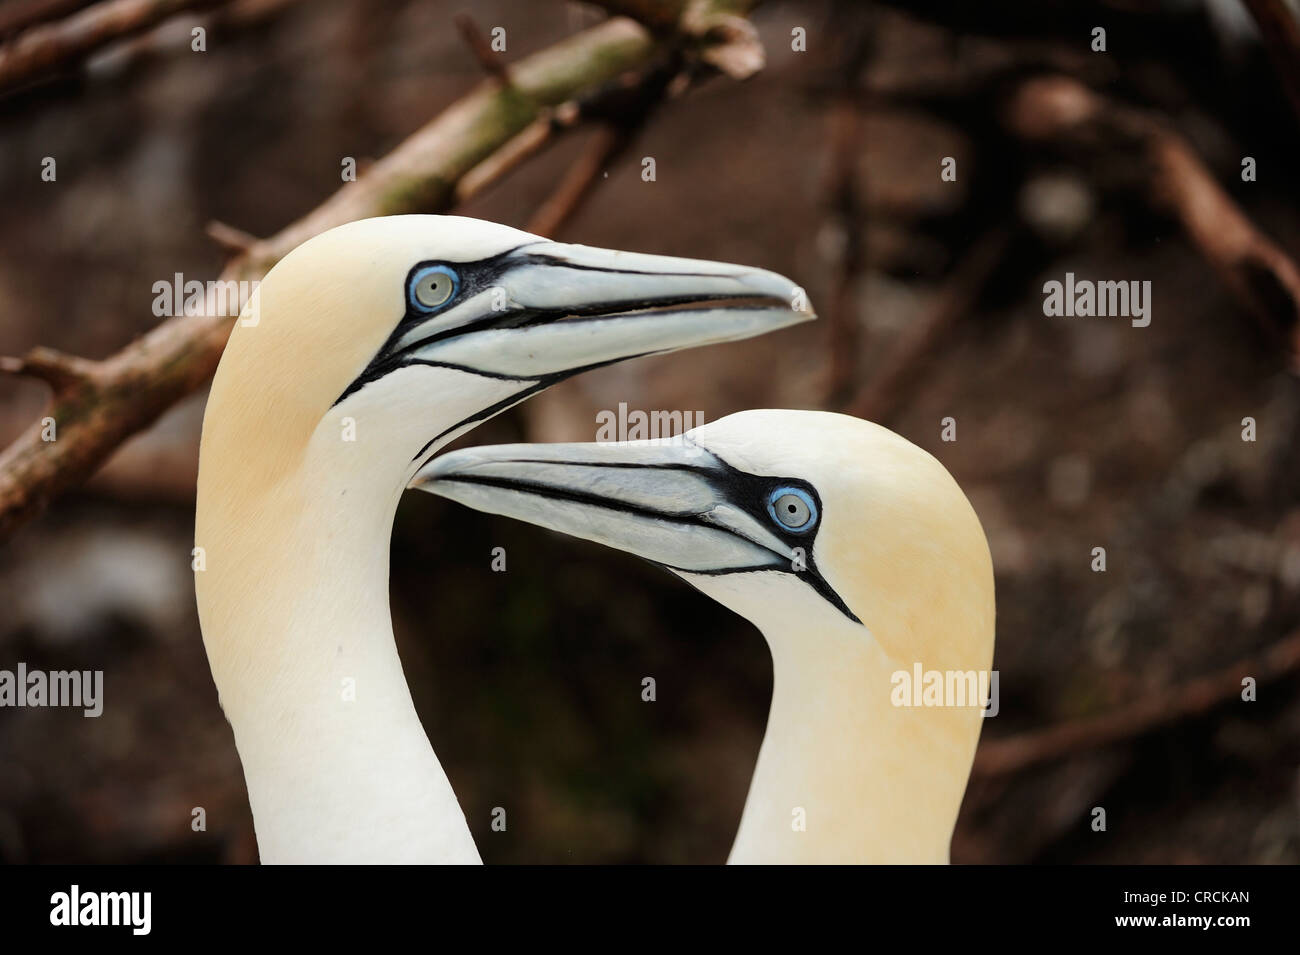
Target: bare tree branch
(223,21)
(48,47)
(61,372)
(98,405)
(1153,711)
(106,402)
(624,113)
(20,14)
(234,241)
(1253,267)
(534,138)
(492,63)
(624,101)
(726,40)
(660,15)
(887,386)
(577,183)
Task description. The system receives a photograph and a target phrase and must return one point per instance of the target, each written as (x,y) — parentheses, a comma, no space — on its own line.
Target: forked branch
(98,405)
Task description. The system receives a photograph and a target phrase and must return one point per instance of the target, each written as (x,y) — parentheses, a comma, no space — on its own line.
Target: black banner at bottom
(983,904)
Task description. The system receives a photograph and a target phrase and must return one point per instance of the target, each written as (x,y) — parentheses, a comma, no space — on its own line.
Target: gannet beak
(670,501)
(547,310)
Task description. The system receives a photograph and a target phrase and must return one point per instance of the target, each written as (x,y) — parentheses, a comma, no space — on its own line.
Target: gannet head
(857,556)
(359,354)
(393,335)
(804,522)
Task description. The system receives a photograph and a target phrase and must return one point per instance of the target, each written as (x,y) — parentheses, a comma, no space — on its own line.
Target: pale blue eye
(432,287)
(793,508)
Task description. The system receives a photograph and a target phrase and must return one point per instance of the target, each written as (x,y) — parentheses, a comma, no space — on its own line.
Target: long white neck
(843,775)
(294,607)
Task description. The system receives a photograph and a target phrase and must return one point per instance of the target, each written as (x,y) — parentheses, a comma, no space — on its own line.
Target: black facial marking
(750,492)
(746,491)
(483,274)
(533,386)
(474,278)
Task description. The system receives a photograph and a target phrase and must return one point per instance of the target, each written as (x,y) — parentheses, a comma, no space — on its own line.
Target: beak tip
(799,316)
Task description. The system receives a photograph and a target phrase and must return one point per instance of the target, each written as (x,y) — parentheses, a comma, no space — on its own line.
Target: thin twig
(49,47)
(577,182)
(129,390)
(659,15)
(223,22)
(488,59)
(717,29)
(886,387)
(535,137)
(1264,279)
(997,757)
(61,372)
(234,241)
(18,15)
(624,109)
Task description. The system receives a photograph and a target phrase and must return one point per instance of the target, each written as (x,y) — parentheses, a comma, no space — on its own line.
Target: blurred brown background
(825,166)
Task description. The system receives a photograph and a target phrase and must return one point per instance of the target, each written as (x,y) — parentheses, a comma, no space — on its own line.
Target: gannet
(856,555)
(362,353)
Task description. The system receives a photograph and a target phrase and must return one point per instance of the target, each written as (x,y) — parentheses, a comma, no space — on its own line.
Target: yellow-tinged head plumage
(860,559)
(360,354)
(872,529)
(392,316)
(897,539)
